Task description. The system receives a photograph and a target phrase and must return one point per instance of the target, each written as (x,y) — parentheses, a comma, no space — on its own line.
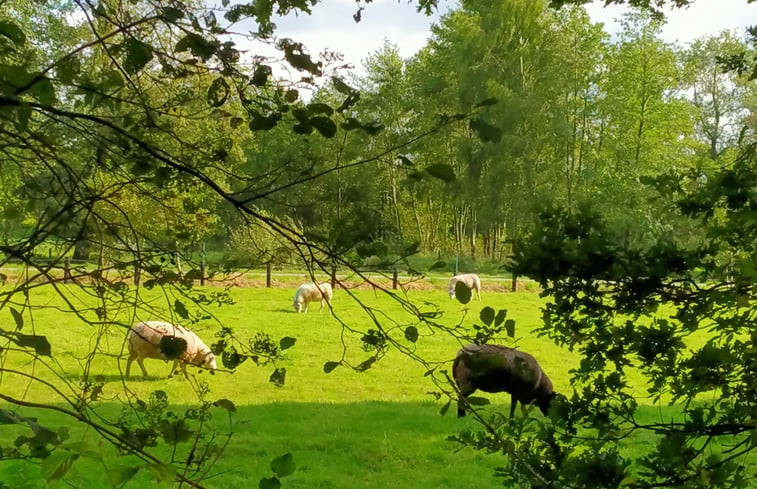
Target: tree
(716,94)
(110,116)
(641,307)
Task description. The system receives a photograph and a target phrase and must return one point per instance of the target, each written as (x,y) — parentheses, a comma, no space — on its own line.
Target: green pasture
(378,428)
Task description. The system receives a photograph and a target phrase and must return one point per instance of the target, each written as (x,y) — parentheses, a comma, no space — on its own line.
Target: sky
(332,27)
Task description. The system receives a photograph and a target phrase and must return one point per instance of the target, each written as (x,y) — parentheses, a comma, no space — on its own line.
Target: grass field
(373,429)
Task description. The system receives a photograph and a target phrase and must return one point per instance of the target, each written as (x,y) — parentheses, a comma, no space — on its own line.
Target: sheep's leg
(128,365)
(465,391)
(173,368)
(321,309)
(184,370)
(307,305)
(525,409)
(478,292)
(141,362)
(513,402)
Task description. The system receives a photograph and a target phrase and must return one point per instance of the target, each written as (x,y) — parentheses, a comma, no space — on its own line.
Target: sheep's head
(544,402)
(210,361)
(297,306)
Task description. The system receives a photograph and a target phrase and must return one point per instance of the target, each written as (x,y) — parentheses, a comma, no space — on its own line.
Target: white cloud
(331,26)
(683,25)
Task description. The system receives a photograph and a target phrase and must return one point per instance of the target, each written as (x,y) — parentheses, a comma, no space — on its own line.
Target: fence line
(268,271)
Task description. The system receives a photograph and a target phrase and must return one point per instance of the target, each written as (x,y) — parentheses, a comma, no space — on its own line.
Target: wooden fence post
(333,277)
(202,265)
(394,279)
(268,275)
(514,283)
(67,270)
(137,273)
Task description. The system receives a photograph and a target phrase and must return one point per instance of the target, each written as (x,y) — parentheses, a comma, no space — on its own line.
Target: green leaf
(260,75)
(120,474)
(218,92)
(39,343)
(197,45)
(405,160)
(278,377)
(501,314)
(57,464)
(269,483)
(291,95)
(487,315)
(487,102)
(329,366)
(226,404)
(411,334)
(18,318)
(462,293)
(437,265)
(366,364)
(373,128)
(67,71)
(43,90)
(320,108)
(138,54)
(510,328)
(24,116)
(287,342)
(13,32)
(478,401)
(172,347)
(171,14)
(180,309)
(294,53)
(262,123)
(342,87)
(351,124)
(485,131)
(349,102)
(441,171)
(283,466)
(445,408)
(174,432)
(324,125)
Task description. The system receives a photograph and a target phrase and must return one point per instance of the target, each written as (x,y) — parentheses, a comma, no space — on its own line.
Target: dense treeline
(580,118)
(564,113)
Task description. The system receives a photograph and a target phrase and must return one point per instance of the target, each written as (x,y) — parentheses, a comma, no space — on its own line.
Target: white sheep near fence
(470,280)
(308,293)
(144,341)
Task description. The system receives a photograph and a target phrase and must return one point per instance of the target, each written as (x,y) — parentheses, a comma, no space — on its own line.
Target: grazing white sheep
(144,342)
(470,280)
(308,293)
(494,368)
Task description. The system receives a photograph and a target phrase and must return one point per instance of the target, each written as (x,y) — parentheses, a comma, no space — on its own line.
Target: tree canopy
(619,174)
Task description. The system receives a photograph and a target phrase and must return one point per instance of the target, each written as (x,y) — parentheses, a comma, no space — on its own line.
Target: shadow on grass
(362,445)
(358,445)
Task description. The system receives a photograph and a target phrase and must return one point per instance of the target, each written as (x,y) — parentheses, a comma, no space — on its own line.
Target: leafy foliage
(626,307)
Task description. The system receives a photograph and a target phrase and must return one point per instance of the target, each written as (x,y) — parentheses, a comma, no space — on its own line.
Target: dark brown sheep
(494,368)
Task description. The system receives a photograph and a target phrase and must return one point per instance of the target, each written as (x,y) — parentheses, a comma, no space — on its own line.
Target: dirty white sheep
(308,293)
(470,280)
(144,342)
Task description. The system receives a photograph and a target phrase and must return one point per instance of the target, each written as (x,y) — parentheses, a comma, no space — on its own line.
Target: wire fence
(80,270)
